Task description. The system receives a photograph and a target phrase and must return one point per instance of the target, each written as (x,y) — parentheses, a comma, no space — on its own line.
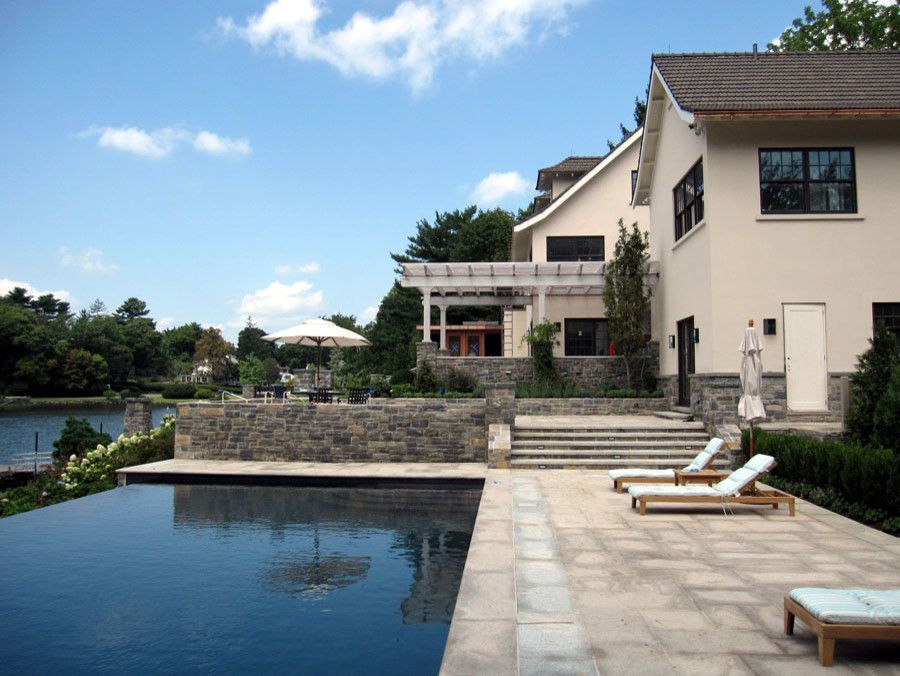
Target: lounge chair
(738,488)
(357,395)
(844,613)
(635,475)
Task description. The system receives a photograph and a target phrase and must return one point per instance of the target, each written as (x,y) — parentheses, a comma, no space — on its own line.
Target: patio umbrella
(750,406)
(318,332)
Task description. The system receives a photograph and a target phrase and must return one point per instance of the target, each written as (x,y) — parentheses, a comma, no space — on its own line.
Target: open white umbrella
(318,332)
(750,406)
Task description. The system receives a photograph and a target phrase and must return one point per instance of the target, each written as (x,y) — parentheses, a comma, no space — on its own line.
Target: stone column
(426,318)
(500,403)
(138,416)
(542,305)
(248,391)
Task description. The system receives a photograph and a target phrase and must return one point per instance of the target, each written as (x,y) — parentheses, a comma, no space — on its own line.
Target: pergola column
(426,320)
(443,343)
(542,305)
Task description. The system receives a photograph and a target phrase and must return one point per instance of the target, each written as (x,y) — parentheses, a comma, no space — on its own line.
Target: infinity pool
(227,579)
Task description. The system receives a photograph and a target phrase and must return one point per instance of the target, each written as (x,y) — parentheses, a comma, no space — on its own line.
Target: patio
(562,577)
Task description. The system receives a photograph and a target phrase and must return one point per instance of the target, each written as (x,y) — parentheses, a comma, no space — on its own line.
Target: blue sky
(223,158)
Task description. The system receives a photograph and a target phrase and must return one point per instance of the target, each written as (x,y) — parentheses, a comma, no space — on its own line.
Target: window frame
(576,256)
(696,207)
(805,182)
(594,321)
(889,315)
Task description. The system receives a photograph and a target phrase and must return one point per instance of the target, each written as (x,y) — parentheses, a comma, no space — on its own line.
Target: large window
(807,181)
(688,195)
(586,337)
(574,249)
(888,314)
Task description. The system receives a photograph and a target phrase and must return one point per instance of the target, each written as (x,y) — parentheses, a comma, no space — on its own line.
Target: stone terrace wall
(587,406)
(386,430)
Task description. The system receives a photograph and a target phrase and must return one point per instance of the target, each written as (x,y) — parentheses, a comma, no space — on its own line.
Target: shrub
(129,392)
(401,390)
(204,393)
(886,423)
(874,369)
(459,381)
(179,391)
(76,437)
(426,381)
(542,339)
(109,395)
(17,390)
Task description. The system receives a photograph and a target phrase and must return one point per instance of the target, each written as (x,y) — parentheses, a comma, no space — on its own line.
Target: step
(571,434)
(591,463)
(680,444)
(669,426)
(664,460)
(684,415)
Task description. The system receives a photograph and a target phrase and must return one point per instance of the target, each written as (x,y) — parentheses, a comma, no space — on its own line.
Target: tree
(542,339)
(250,341)
(868,383)
(626,298)
(639,115)
(842,25)
(433,242)
(19,296)
(179,341)
(393,329)
(214,352)
(251,370)
(132,308)
(484,238)
(77,437)
(97,308)
(85,372)
(270,370)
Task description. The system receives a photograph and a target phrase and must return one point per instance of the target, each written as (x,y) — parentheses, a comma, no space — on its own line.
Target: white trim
(810,217)
(689,234)
(575,187)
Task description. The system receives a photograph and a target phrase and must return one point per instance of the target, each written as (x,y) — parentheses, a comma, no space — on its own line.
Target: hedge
(179,391)
(870,476)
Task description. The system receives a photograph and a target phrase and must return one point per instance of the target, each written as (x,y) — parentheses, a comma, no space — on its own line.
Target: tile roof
(787,81)
(574,164)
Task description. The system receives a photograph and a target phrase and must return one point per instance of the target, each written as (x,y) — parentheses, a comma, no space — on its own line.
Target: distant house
(773,184)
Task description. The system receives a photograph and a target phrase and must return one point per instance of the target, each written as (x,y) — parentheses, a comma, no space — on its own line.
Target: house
(773,187)
(556,260)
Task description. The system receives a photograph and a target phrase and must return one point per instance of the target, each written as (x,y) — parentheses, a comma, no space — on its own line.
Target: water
(17,428)
(234,579)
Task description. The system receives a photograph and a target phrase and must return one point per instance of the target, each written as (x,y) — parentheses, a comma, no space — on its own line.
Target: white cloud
(495,187)
(162,142)
(283,302)
(305,269)
(7,285)
(165,323)
(368,314)
(213,144)
(89,260)
(411,43)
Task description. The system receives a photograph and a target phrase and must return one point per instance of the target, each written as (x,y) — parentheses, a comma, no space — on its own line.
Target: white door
(805,367)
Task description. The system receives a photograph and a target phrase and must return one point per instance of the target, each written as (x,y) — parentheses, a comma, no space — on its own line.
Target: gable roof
(574,164)
(782,81)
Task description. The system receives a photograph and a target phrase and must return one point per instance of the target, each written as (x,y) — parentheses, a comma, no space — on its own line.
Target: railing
(231,394)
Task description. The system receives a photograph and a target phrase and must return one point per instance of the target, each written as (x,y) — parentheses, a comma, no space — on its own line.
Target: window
(574,249)
(633,182)
(586,337)
(688,195)
(888,314)
(807,181)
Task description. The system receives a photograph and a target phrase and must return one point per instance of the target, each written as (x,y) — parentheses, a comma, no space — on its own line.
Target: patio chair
(844,613)
(634,475)
(357,395)
(321,395)
(738,488)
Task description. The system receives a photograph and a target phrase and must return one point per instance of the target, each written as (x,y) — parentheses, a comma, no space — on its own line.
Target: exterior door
(805,365)
(685,360)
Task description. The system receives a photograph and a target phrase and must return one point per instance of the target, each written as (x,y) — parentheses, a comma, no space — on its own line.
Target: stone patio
(563,577)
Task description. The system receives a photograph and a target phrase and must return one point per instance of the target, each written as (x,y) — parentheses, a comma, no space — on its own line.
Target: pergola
(503,284)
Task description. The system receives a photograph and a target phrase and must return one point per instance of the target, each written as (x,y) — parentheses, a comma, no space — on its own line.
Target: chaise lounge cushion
(850,606)
(703,459)
(657,489)
(735,482)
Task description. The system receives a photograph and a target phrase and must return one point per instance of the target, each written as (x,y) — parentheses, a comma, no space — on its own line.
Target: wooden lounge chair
(357,395)
(321,395)
(738,488)
(844,613)
(635,475)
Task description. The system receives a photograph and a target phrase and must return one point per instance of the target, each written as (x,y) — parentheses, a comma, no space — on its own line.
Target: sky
(233,158)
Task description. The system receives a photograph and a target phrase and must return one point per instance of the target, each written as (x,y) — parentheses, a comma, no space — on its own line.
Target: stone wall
(589,406)
(386,430)
(585,372)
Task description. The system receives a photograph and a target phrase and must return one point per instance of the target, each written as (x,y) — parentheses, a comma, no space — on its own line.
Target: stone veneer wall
(589,406)
(714,397)
(386,430)
(583,371)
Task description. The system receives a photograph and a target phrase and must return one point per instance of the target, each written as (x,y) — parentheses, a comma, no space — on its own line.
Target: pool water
(230,579)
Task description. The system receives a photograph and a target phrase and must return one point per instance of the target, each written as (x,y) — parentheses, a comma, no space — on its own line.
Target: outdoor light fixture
(769,327)
(696,336)
(671,342)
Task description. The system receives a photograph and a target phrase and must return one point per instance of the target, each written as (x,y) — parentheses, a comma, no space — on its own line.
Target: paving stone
(479,647)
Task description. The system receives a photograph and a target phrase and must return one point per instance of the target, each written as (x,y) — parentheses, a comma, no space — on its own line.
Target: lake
(17,428)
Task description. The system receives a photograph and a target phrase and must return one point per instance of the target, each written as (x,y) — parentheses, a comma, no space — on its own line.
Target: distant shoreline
(52,403)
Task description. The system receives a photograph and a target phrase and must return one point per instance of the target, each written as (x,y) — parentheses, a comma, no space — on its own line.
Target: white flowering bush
(96,470)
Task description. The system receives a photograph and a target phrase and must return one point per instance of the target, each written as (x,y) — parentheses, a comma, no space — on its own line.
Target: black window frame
(579,254)
(889,315)
(805,182)
(689,212)
(570,342)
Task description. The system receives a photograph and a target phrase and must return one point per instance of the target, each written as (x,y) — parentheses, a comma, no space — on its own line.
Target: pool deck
(562,577)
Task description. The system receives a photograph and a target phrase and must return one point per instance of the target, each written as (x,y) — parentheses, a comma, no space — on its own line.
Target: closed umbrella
(318,332)
(750,406)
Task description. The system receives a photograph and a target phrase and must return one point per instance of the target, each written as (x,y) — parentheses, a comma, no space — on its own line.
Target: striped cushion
(850,606)
(635,472)
(652,489)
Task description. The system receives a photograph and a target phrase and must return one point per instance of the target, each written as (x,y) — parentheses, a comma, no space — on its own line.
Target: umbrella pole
(318,364)
(752,445)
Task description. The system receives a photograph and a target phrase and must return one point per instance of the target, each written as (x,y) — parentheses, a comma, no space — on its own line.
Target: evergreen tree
(843,25)
(869,382)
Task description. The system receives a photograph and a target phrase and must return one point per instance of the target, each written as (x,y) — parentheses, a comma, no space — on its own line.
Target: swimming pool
(226,579)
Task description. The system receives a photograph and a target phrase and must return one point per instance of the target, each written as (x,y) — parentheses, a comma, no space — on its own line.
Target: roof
(782,81)
(573,164)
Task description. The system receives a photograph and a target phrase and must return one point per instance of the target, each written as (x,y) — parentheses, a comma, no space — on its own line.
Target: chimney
(755,52)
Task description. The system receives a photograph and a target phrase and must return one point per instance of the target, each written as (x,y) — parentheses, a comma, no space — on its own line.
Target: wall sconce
(671,342)
(769,327)
(696,336)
